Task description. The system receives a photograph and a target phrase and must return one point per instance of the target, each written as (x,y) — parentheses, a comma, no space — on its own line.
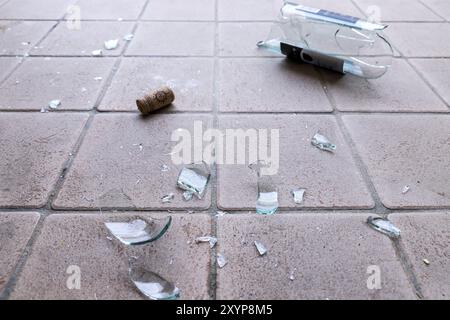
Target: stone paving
(65,172)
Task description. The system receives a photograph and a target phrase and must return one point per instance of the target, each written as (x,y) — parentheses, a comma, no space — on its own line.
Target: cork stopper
(155,100)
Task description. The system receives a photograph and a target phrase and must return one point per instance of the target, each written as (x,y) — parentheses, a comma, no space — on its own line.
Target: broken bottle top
(152,285)
(194,179)
(330,40)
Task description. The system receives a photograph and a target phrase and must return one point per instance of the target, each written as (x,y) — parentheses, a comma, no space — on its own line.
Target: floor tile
(180,10)
(107,9)
(32,9)
(248,9)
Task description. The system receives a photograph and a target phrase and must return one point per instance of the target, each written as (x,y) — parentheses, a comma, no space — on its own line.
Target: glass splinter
(322,143)
(139,231)
(267,201)
(167,198)
(384,226)
(261,248)
(406,189)
(212,240)
(111,44)
(298,195)
(152,285)
(221,261)
(194,178)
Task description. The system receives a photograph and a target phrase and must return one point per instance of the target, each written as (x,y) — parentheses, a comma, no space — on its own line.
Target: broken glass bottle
(267,198)
(330,40)
(384,226)
(194,178)
(152,285)
(139,231)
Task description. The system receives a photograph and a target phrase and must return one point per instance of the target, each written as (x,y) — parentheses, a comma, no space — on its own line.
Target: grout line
(432,10)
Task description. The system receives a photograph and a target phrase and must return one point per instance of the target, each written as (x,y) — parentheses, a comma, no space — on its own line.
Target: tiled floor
(65,172)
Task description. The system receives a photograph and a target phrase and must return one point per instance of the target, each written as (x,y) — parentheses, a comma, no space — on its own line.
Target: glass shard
(322,143)
(267,200)
(152,285)
(426,261)
(221,261)
(168,198)
(164,168)
(298,195)
(139,231)
(187,195)
(54,104)
(97,53)
(212,240)
(220,213)
(111,44)
(406,189)
(384,226)
(194,178)
(261,248)
(128,37)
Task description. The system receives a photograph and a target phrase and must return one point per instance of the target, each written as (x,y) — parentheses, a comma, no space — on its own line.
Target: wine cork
(155,100)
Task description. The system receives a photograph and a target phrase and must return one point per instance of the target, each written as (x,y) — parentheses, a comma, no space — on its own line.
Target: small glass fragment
(221,261)
(426,261)
(384,226)
(128,37)
(292,276)
(322,143)
(164,168)
(111,44)
(194,178)
(298,195)
(261,248)
(187,195)
(139,231)
(152,285)
(220,213)
(54,104)
(98,78)
(267,200)
(44,110)
(406,189)
(168,198)
(97,53)
(212,240)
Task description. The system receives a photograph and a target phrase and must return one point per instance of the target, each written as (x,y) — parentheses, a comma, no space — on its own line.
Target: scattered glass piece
(292,276)
(298,195)
(221,261)
(220,213)
(139,231)
(406,189)
(97,53)
(190,212)
(54,104)
(322,143)
(128,37)
(261,248)
(426,261)
(384,226)
(212,240)
(187,195)
(153,285)
(168,198)
(98,78)
(164,168)
(194,178)
(111,44)
(267,201)
(44,110)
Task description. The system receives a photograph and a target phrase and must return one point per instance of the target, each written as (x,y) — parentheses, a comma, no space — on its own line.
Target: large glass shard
(322,143)
(267,201)
(139,231)
(194,178)
(153,285)
(384,226)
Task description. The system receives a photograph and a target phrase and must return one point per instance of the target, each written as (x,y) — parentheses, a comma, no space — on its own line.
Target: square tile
(34,148)
(70,80)
(400,89)
(242,10)
(426,235)
(82,240)
(19,37)
(173,39)
(63,41)
(6,66)
(405,150)
(421,39)
(107,9)
(32,9)
(327,177)
(436,72)
(240,38)
(180,10)
(269,85)
(191,79)
(15,232)
(312,256)
(441,7)
(119,164)
(398,10)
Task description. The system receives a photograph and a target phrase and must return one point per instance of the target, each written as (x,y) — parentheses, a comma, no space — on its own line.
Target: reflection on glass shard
(168,198)
(111,44)
(261,248)
(384,226)
(212,240)
(322,143)
(153,285)
(221,261)
(194,178)
(298,195)
(139,231)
